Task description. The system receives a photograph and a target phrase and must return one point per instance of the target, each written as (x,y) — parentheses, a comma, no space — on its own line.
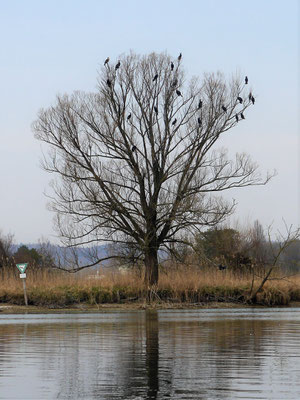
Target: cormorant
(199,121)
(155,78)
(178,92)
(174,83)
(240,99)
(129,116)
(106,61)
(246,80)
(172,66)
(200,104)
(224,108)
(236,117)
(174,122)
(155,109)
(118,65)
(252,99)
(108,82)
(242,116)
(179,57)
(133,148)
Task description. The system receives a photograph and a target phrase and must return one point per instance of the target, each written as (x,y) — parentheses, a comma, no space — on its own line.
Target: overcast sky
(50,47)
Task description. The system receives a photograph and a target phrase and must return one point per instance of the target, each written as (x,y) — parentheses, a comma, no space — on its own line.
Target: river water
(186,354)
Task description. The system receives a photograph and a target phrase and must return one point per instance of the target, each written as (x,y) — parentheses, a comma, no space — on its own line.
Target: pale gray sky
(50,47)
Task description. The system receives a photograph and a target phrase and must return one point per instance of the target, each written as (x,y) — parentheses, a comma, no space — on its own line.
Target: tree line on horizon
(220,248)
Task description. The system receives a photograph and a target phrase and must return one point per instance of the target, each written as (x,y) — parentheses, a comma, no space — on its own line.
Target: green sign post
(22,269)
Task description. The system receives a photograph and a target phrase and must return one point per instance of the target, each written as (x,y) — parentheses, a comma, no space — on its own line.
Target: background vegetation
(225,265)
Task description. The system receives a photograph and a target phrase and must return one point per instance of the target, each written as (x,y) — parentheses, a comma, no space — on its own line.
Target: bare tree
(272,256)
(6,245)
(137,161)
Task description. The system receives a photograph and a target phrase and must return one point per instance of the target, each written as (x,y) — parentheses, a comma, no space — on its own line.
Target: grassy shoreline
(108,308)
(180,288)
(6,309)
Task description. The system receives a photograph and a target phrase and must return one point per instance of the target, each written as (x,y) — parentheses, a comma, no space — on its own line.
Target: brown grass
(181,285)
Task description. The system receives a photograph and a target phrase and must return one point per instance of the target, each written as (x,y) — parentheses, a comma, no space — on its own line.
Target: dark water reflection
(194,354)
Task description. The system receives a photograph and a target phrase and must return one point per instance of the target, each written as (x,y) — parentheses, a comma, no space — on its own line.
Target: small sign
(22,267)
(22,276)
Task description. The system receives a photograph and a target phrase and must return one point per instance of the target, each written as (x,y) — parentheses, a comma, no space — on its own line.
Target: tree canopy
(137,161)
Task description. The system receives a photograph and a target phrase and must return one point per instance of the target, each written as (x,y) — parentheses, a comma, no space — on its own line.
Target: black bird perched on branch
(174,83)
(108,82)
(178,92)
(174,122)
(172,66)
(155,109)
(106,61)
(222,267)
(179,57)
(129,116)
(246,80)
(155,78)
(252,99)
(133,148)
(118,65)
(224,108)
(200,104)
(240,99)
(199,121)
(242,116)
(237,118)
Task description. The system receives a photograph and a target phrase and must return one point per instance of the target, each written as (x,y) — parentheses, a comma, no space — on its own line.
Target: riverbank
(180,288)
(102,308)
(108,308)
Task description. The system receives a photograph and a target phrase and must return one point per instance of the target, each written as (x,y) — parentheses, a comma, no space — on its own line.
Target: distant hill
(60,252)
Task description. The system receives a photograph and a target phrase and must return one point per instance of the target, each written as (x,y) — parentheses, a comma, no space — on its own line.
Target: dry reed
(183,284)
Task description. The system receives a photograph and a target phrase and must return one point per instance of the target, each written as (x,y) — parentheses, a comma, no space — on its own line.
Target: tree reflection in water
(195,354)
(152,353)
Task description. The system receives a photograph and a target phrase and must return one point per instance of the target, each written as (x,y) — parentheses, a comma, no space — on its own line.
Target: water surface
(192,354)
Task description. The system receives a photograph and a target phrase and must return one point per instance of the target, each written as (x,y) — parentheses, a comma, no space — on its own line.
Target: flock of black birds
(179,94)
(237,117)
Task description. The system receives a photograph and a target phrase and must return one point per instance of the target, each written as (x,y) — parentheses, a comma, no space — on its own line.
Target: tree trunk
(151,265)
(252,296)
